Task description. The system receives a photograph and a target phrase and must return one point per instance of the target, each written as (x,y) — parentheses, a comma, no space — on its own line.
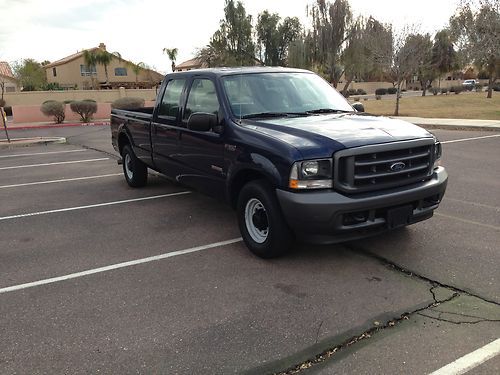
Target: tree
(30,74)
(136,68)
(426,71)
(275,37)
(444,57)
(332,27)
(90,59)
(172,55)
(232,44)
(104,58)
(476,29)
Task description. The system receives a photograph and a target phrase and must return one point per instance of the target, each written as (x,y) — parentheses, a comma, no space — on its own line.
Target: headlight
(437,154)
(311,174)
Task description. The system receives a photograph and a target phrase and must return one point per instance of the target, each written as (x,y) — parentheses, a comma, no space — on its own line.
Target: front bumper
(329,217)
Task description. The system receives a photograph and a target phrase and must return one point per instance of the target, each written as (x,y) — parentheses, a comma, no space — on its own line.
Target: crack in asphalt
(439,318)
(457,292)
(328,353)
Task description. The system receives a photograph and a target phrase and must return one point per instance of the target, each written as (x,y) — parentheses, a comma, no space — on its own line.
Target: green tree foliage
(232,44)
(172,55)
(90,59)
(332,26)
(275,37)
(426,72)
(476,29)
(30,74)
(444,57)
(104,58)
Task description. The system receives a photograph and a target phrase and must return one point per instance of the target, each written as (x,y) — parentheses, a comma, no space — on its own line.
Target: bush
(351,92)
(85,108)
(55,109)
(356,99)
(457,89)
(496,87)
(444,90)
(68,101)
(2,103)
(380,91)
(378,97)
(403,90)
(345,94)
(128,103)
(392,90)
(434,91)
(360,92)
(478,87)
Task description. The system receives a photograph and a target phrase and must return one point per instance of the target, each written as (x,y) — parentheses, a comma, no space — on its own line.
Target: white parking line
(471,360)
(118,265)
(41,153)
(58,163)
(471,139)
(93,206)
(61,180)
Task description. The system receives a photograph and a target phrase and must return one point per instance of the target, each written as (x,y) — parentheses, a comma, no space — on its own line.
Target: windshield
(281,94)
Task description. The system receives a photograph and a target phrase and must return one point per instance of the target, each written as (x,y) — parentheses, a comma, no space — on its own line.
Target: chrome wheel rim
(128,166)
(256,220)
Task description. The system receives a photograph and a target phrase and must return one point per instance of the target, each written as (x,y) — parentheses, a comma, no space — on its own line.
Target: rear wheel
(135,171)
(261,222)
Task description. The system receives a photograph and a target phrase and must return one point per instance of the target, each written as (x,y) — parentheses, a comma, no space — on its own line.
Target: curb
(458,127)
(52,126)
(26,142)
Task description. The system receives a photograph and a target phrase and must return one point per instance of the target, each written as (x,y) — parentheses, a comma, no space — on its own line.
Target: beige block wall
(100,96)
(9,83)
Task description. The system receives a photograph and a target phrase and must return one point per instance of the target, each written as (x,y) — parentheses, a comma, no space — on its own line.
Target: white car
(469,84)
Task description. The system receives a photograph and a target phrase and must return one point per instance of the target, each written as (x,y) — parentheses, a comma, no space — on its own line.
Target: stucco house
(71,72)
(7,79)
(189,65)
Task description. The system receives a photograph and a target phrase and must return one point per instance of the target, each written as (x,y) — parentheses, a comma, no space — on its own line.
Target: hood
(322,135)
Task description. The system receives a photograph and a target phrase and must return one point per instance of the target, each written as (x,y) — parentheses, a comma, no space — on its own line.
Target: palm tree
(90,59)
(172,55)
(136,68)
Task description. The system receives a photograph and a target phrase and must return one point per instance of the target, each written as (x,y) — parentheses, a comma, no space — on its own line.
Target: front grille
(383,166)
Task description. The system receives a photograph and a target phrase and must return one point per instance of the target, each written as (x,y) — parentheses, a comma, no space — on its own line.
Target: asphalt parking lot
(98,277)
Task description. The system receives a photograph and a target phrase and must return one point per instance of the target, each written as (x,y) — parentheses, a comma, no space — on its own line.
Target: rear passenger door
(165,130)
(202,153)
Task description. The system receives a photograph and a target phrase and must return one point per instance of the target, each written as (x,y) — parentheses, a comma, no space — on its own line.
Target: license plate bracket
(399,216)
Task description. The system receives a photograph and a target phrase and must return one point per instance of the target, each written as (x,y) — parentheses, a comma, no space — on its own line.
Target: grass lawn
(465,105)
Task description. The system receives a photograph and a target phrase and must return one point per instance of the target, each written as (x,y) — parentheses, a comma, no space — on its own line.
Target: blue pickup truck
(287,151)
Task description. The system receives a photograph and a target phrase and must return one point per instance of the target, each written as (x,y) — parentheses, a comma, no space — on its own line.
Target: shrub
(2,103)
(356,99)
(68,101)
(128,103)
(403,90)
(478,87)
(85,108)
(345,94)
(365,99)
(360,92)
(378,97)
(380,91)
(457,89)
(496,87)
(351,92)
(435,91)
(392,90)
(444,90)
(55,109)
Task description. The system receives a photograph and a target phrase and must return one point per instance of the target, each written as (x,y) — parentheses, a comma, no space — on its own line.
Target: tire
(135,171)
(261,221)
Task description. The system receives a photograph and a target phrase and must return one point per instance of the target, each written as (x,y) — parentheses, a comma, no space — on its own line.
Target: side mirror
(201,121)
(359,107)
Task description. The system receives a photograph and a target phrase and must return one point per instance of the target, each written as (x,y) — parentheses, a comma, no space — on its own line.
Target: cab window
(202,98)
(170,102)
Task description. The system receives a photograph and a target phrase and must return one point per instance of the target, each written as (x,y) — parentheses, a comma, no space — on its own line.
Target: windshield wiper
(274,114)
(328,110)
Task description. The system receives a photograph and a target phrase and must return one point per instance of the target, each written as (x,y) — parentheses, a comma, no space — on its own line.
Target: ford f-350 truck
(287,151)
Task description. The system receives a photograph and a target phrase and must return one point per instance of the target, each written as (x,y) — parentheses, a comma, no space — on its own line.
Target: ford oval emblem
(399,166)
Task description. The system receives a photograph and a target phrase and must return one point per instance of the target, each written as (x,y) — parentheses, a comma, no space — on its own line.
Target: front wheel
(261,222)
(135,171)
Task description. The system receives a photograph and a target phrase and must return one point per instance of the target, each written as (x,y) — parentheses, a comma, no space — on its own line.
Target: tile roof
(68,58)
(189,64)
(5,70)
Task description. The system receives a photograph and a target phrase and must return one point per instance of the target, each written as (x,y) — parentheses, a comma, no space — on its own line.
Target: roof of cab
(238,70)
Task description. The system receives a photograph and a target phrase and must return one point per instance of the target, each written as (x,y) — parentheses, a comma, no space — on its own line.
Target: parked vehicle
(287,151)
(470,84)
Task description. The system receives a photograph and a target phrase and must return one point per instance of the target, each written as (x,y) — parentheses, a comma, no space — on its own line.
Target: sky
(140,29)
